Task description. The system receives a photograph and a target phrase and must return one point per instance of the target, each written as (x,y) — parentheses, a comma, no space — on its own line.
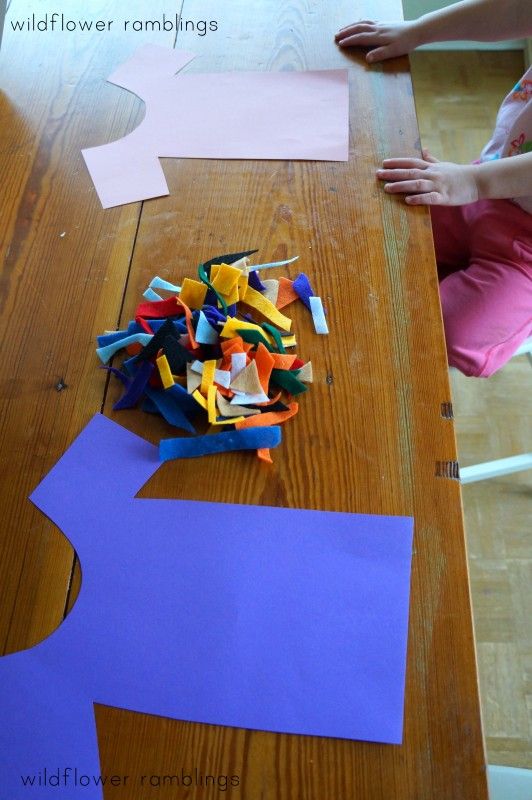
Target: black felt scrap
(156,343)
(176,355)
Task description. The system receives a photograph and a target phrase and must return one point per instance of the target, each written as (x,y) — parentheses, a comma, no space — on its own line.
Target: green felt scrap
(286,379)
(254,337)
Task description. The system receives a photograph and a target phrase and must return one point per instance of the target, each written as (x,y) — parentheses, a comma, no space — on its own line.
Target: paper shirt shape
(242,115)
(257,617)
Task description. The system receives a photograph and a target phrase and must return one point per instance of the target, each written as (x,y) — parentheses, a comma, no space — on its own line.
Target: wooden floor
(457,96)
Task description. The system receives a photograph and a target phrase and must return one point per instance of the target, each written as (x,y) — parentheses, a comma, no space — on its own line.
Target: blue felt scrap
(205,333)
(105,353)
(136,388)
(245,439)
(170,408)
(150,295)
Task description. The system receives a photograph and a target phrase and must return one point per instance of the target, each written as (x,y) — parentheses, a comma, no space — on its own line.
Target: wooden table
(374,434)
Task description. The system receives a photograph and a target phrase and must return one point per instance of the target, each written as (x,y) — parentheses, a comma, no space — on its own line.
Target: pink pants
(484,256)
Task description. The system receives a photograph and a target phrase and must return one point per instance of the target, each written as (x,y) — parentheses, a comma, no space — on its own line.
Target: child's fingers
(427,155)
(354,27)
(428,199)
(379,54)
(400,174)
(361,39)
(409,187)
(404,163)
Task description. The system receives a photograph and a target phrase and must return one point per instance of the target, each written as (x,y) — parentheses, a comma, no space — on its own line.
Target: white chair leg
(492,469)
(509,783)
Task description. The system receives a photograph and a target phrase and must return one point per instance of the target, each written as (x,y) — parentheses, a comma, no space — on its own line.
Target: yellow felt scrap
(198,397)
(165,372)
(230,421)
(233,297)
(225,278)
(305,373)
(267,309)
(232,325)
(211,403)
(193,293)
(242,286)
(207,376)
(227,410)
(288,341)
(271,290)
(247,381)
(193,380)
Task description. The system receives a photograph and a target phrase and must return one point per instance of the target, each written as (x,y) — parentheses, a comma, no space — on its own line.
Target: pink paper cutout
(232,115)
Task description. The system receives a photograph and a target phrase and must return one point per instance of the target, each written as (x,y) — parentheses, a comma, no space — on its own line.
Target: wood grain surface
(370,436)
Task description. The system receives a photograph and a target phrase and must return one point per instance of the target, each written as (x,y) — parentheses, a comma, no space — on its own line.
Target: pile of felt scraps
(216,350)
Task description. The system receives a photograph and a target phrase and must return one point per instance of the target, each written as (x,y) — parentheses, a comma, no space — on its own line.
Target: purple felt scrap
(303,289)
(276,619)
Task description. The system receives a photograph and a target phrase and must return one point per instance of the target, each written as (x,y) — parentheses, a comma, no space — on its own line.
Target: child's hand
(386,40)
(429,182)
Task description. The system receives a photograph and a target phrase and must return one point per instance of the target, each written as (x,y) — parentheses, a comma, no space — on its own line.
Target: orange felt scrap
(234,345)
(264,455)
(268,418)
(286,293)
(265,364)
(133,349)
(283,361)
(230,346)
(188,319)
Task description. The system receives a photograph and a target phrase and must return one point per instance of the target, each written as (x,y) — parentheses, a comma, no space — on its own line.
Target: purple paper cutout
(242,115)
(267,618)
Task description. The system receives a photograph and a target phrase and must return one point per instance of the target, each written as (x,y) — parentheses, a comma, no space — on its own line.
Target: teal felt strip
(276,335)
(205,279)
(245,439)
(286,379)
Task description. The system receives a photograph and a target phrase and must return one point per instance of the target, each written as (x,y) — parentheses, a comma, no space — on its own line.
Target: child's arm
(430,182)
(477,20)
